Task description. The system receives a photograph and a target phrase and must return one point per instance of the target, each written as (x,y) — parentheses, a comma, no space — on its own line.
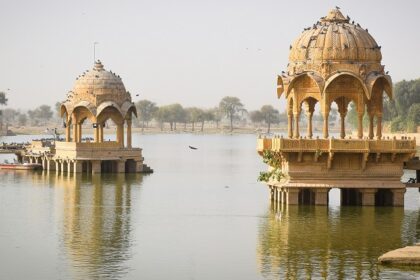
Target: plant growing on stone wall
(274,162)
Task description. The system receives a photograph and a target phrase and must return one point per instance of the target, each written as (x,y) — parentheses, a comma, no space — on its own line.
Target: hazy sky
(188,51)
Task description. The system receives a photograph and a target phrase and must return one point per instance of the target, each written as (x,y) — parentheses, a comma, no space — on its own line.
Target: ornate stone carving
(362,71)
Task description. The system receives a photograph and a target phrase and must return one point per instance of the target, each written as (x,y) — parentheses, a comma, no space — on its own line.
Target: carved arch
(82,113)
(373,78)
(337,75)
(128,107)
(319,81)
(107,104)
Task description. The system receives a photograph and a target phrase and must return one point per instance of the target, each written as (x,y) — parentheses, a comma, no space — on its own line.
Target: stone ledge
(409,255)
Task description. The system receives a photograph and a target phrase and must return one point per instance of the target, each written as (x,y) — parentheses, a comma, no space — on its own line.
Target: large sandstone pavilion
(98,97)
(336,61)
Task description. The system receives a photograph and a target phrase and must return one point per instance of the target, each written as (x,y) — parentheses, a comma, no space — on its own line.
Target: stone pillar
(57,166)
(343,127)
(121,166)
(280,195)
(379,126)
(309,115)
(296,117)
(68,139)
(96,133)
(44,164)
(75,138)
(293,196)
(120,134)
(398,197)
(101,132)
(128,133)
(77,166)
(271,193)
(290,125)
(321,196)
(360,126)
(325,128)
(79,132)
(368,197)
(96,167)
(51,165)
(371,126)
(62,167)
(74,122)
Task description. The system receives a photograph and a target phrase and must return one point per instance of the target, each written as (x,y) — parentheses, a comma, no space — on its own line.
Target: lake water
(201,215)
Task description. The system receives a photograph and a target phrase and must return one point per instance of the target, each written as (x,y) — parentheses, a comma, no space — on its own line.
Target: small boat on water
(20,166)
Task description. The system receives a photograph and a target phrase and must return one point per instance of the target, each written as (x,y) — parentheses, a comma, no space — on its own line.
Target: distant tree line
(229,108)
(40,116)
(3,102)
(403,112)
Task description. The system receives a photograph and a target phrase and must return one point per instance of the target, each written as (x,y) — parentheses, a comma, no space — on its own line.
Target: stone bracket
(393,156)
(330,159)
(300,157)
(364,160)
(378,157)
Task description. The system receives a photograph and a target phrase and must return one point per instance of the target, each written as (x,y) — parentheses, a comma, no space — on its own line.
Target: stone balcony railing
(87,145)
(278,144)
(104,150)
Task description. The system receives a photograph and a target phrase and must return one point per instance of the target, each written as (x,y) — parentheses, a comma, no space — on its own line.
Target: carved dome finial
(98,66)
(334,15)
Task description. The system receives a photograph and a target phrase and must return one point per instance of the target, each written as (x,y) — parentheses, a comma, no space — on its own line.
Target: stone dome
(333,39)
(97,89)
(98,85)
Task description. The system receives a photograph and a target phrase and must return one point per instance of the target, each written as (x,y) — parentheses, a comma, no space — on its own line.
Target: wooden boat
(20,166)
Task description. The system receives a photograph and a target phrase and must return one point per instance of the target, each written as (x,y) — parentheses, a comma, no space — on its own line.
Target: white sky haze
(191,52)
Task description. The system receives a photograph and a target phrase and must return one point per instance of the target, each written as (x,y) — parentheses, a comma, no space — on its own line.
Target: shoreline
(41,130)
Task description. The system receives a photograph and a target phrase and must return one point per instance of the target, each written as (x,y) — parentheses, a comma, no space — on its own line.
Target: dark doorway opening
(351,197)
(130,166)
(306,197)
(86,167)
(384,197)
(109,166)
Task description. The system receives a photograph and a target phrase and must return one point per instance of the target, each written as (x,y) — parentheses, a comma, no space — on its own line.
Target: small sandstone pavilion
(336,61)
(98,96)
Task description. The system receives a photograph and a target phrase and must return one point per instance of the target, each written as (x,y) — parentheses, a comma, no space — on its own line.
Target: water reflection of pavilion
(342,243)
(97,223)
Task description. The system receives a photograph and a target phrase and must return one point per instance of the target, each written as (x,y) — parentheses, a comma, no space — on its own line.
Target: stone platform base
(349,196)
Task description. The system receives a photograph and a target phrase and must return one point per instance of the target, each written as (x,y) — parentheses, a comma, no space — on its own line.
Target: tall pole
(94,51)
